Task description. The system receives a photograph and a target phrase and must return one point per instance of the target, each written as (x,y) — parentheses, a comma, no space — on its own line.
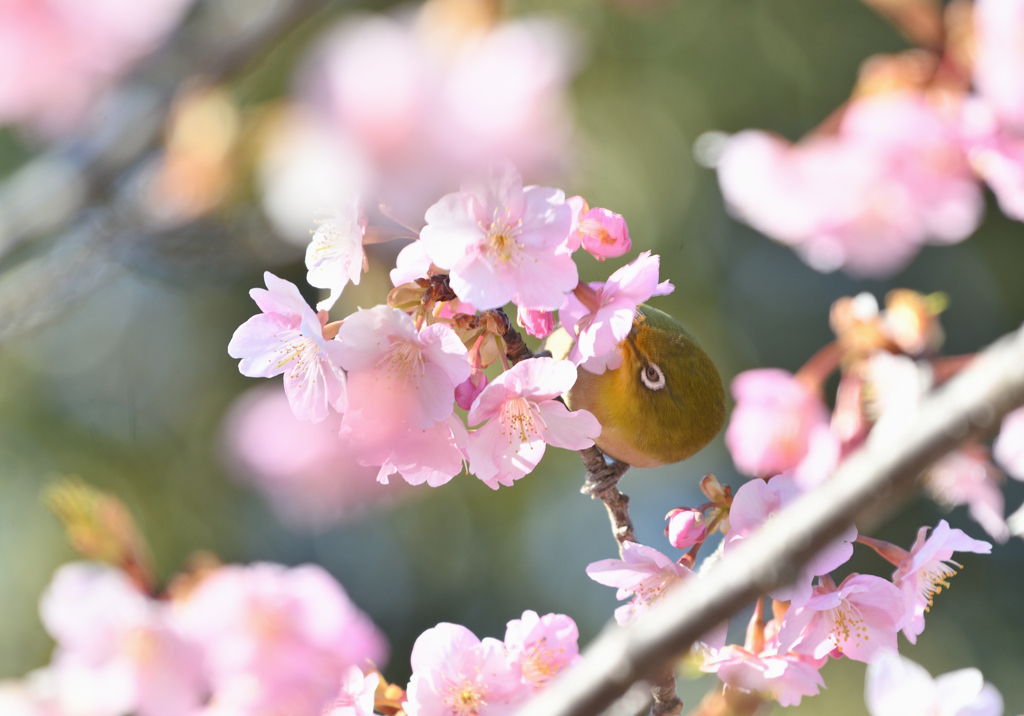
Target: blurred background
(131,231)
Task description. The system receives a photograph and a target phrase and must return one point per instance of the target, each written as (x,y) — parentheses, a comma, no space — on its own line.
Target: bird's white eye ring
(652,376)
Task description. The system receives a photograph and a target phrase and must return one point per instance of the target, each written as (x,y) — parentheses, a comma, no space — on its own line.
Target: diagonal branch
(870,484)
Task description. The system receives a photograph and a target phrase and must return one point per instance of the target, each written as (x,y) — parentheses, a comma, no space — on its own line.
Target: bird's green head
(663,404)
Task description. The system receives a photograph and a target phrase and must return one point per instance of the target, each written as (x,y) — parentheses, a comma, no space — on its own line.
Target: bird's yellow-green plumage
(663,404)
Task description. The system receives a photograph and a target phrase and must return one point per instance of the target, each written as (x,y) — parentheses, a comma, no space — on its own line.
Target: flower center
(466,698)
(934,578)
(847,626)
(540,662)
(502,236)
(519,420)
(299,351)
(404,361)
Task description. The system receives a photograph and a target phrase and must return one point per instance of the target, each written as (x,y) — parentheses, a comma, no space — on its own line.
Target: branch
(871,483)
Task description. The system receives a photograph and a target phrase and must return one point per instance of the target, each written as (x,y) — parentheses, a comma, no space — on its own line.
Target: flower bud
(537,323)
(467,391)
(686,528)
(604,234)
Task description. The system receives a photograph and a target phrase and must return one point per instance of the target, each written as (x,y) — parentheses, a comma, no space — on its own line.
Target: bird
(663,404)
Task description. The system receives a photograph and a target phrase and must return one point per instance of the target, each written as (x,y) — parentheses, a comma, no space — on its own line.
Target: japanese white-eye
(664,402)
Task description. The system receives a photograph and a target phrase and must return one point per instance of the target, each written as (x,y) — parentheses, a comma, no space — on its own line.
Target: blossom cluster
(901,164)
(264,639)
(394,374)
(782,434)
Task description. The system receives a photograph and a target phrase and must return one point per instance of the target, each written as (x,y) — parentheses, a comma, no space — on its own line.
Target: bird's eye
(652,376)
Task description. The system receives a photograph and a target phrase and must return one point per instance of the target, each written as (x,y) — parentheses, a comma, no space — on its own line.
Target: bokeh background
(116,370)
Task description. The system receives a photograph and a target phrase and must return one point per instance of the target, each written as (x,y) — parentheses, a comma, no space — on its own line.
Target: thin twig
(602,483)
(865,488)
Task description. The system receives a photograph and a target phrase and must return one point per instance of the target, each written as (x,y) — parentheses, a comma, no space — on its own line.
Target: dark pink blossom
(771,426)
(686,528)
(602,233)
(537,323)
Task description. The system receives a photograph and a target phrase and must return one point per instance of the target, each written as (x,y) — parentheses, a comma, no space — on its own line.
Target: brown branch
(602,483)
(867,486)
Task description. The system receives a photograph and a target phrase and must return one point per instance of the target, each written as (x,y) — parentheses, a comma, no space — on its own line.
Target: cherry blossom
(522,417)
(117,650)
(501,242)
(57,57)
(1008,448)
(309,477)
(758,501)
(276,640)
(432,455)
(785,677)
(643,573)
(686,528)
(288,337)
(544,646)
(397,373)
(599,328)
(412,263)
(600,232)
(537,323)
(355,696)
(926,569)
(856,619)
(967,477)
(335,256)
(896,686)
(771,426)
(456,674)
(468,390)
(866,199)
(998,64)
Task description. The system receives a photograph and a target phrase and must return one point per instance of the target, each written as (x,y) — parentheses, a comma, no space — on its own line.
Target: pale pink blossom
(600,328)
(537,323)
(118,651)
(355,696)
(686,528)
(856,619)
(1008,448)
(643,575)
(866,199)
(398,374)
(18,698)
(501,242)
(306,473)
(785,677)
(579,206)
(926,569)
(996,152)
(771,426)
(896,686)
(412,263)
(335,256)
(998,60)
(604,234)
(57,57)
(967,477)
(758,501)
(277,639)
(456,674)
(288,337)
(544,646)
(522,417)
(431,455)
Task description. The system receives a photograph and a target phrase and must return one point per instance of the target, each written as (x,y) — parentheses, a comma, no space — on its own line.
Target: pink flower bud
(466,391)
(686,528)
(604,234)
(537,323)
